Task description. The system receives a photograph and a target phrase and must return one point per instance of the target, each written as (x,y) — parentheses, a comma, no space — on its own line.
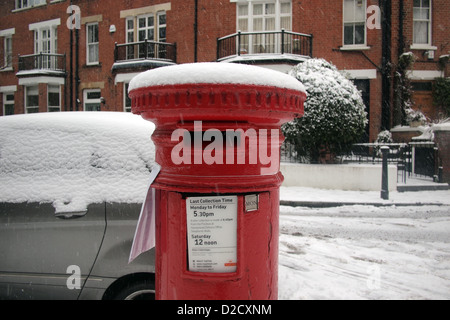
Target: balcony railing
(146,50)
(267,42)
(43,61)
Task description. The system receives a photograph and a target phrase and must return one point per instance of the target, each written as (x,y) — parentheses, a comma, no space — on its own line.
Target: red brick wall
(322,18)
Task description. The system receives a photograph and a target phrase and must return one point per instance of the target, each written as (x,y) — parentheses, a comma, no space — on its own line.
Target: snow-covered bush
(335,115)
(415,116)
(384,137)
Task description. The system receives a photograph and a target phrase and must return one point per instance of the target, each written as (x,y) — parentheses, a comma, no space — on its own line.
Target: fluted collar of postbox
(216,91)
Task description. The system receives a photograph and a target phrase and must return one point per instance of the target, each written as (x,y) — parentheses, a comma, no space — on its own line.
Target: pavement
(415,192)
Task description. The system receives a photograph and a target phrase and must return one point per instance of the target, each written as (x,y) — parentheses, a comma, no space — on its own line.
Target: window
(8,52)
(127,100)
(8,103)
(150,27)
(92,100)
(130,38)
(32,99)
(162,28)
(23,4)
(355,22)
(264,15)
(45,42)
(146,31)
(422,22)
(7,35)
(92,44)
(261,16)
(54,98)
(422,86)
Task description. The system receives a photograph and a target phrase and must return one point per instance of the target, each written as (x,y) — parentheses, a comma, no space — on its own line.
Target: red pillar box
(218,143)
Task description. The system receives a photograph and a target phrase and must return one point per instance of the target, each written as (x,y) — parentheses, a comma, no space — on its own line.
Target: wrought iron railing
(145,50)
(414,158)
(43,61)
(267,42)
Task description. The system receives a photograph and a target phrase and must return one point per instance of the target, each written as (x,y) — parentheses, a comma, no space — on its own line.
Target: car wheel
(143,290)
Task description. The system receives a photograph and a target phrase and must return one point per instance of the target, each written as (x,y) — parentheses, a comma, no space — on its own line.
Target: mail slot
(218,142)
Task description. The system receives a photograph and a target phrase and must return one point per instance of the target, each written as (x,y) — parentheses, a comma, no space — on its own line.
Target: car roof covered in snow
(73,159)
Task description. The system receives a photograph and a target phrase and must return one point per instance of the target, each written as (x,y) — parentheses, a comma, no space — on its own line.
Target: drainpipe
(401,50)
(195,30)
(386,8)
(401,19)
(77,61)
(71,69)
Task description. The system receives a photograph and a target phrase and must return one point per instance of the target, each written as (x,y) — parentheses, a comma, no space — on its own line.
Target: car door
(44,255)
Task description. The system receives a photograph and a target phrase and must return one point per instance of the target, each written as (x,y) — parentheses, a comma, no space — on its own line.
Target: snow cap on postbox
(216,91)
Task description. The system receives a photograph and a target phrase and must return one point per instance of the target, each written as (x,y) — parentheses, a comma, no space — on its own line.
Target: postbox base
(217,247)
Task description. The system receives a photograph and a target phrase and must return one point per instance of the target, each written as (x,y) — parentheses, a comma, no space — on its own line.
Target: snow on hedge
(335,115)
(215,73)
(75,159)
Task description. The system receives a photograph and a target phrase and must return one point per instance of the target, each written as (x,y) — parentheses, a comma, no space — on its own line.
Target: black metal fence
(145,50)
(425,158)
(43,61)
(269,42)
(416,158)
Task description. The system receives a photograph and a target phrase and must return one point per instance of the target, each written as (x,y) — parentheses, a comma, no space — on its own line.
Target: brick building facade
(56,58)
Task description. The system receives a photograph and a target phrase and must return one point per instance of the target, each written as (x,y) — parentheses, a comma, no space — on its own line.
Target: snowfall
(381,251)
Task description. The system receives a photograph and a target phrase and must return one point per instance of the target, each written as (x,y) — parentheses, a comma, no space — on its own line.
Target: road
(365,252)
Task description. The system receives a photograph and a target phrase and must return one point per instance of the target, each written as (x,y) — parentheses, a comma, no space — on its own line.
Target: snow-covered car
(71,189)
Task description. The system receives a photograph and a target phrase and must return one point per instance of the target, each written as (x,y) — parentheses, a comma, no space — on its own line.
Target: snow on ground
(362,251)
(305,194)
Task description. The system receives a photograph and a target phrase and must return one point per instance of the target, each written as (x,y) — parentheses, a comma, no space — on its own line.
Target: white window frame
(87,100)
(27,107)
(51,88)
(134,52)
(135,30)
(7,34)
(424,46)
(146,28)
(7,102)
(46,45)
(250,17)
(92,45)
(277,15)
(354,22)
(160,26)
(8,53)
(49,43)
(27,4)
(130,36)
(52,27)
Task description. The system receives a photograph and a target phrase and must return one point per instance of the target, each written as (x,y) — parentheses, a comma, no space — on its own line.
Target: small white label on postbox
(212,234)
(251,202)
